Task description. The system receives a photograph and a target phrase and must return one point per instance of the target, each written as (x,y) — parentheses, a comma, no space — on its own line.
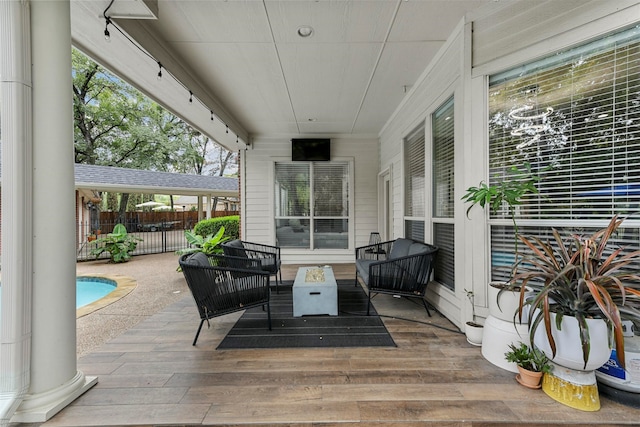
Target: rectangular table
(315,291)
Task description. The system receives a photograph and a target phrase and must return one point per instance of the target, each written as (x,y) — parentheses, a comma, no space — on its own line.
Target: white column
(55,380)
(15,86)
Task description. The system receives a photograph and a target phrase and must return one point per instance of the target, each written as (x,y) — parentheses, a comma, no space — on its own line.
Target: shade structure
(149,204)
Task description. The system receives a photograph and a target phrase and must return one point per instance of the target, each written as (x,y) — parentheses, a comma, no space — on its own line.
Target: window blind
(414,173)
(442,125)
(575,117)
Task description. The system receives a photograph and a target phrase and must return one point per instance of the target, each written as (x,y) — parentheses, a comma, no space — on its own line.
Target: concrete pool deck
(158,284)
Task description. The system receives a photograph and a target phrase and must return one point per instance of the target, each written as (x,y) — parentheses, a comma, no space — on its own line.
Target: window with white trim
(312,205)
(442,128)
(575,117)
(414,184)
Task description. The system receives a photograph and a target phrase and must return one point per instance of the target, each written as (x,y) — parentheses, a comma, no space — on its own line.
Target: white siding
(504,35)
(257,185)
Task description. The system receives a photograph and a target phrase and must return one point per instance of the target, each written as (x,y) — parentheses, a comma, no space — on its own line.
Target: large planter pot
(498,335)
(504,305)
(473,331)
(568,345)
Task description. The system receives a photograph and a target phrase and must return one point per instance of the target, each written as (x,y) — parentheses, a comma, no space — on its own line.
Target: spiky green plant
(584,277)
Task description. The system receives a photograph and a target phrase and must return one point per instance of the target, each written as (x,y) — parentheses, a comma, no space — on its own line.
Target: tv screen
(312,150)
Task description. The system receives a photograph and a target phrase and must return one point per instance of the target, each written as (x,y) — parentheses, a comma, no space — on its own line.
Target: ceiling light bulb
(305,31)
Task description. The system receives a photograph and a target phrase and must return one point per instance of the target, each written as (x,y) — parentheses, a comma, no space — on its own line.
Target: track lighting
(160,75)
(107,35)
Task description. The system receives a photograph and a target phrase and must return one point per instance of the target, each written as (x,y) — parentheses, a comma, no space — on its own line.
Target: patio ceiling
(244,59)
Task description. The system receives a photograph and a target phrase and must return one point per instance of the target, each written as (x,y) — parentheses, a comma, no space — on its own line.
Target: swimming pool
(90,289)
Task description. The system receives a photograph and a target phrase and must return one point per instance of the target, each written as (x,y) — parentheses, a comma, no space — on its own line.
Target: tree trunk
(122,210)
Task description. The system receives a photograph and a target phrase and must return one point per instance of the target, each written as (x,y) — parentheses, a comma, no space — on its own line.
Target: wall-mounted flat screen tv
(311,149)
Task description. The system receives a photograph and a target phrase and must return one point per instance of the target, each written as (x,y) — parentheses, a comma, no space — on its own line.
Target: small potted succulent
(531,363)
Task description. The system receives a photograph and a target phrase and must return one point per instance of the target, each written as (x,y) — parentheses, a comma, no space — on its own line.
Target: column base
(38,408)
(573,388)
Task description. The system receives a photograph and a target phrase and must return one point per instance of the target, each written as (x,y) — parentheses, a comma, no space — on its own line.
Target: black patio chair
(220,289)
(405,272)
(269,256)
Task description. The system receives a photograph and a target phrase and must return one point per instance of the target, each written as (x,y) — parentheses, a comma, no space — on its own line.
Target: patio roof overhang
(245,61)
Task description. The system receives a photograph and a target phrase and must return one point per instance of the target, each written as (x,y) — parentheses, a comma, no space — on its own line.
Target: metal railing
(159,234)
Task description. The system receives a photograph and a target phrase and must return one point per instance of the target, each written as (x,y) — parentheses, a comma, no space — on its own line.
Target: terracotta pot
(91,237)
(528,378)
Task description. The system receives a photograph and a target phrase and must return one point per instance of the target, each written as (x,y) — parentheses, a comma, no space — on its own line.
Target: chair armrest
(377,248)
(408,274)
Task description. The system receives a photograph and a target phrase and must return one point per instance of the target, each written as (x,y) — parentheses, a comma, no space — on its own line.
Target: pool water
(90,289)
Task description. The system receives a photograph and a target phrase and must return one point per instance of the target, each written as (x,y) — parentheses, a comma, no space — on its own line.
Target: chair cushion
(400,248)
(417,248)
(238,246)
(362,267)
(199,258)
(270,264)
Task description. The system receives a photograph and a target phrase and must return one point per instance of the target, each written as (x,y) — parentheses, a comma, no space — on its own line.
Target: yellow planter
(576,389)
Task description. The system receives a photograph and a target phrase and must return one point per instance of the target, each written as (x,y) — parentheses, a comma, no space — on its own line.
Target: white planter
(474,331)
(497,336)
(568,345)
(506,305)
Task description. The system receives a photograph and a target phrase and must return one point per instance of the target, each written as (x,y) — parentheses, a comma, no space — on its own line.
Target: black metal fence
(160,232)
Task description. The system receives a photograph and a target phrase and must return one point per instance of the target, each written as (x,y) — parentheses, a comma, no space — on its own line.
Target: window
(414,186)
(312,205)
(442,125)
(575,117)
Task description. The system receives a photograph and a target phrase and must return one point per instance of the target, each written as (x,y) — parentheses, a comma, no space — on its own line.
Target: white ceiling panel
(400,66)
(245,59)
(332,21)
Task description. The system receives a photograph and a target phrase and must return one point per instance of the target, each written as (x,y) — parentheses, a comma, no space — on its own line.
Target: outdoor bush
(211,226)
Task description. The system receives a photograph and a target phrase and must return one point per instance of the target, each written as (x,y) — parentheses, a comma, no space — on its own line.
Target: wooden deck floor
(151,375)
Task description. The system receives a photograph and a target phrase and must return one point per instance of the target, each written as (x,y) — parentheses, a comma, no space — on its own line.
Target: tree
(116,125)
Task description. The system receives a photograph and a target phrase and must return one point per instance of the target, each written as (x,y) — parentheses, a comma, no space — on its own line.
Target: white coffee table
(315,291)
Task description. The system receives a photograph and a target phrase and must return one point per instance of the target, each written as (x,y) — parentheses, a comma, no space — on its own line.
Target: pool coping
(124,285)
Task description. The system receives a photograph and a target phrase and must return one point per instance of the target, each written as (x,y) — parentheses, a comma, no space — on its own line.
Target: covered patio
(382,80)
(151,375)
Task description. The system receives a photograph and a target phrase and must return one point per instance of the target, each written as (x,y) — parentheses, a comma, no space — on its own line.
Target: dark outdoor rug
(351,328)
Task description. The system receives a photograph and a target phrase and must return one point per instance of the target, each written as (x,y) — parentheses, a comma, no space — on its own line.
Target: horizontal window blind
(578,124)
(444,270)
(575,117)
(414,173)
(442,160)
(442,169)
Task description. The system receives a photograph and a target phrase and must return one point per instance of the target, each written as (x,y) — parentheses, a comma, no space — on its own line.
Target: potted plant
(509,191)
(118,244)
(473,330)
(531,363)
(581,277)
(583,287)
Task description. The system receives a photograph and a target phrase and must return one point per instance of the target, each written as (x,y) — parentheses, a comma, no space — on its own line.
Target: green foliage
(209,244)
(510,191)
(211,226)
(581,277)
(119,244)
(529,358)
